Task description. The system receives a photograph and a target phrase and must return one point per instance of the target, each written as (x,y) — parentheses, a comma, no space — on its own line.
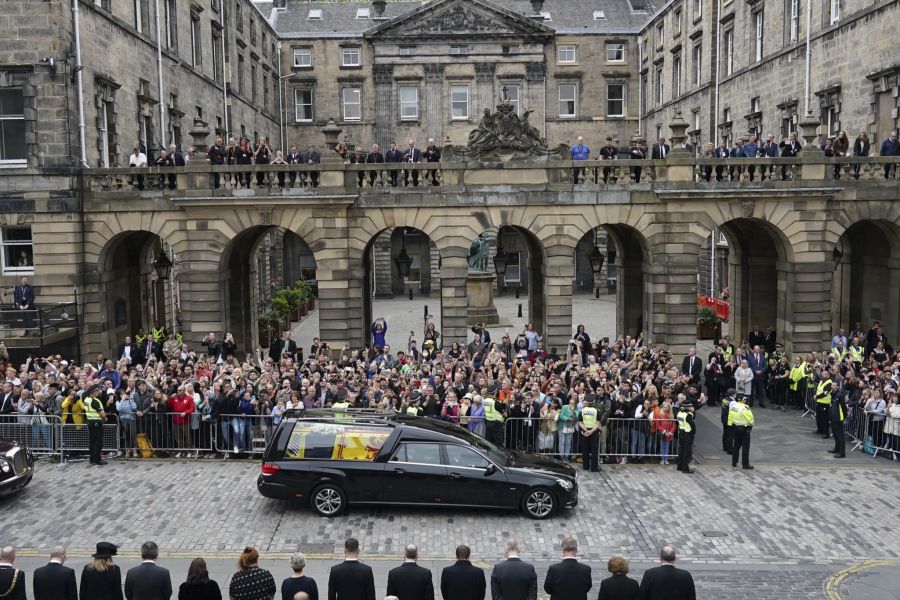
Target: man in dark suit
(756,337)
(351,580)
(760,367)
(412,155)
(667,582)
(433,155)
(513,579)
(24,295)
(148,581)
(692,366)
(294,157)
(283,347)
(393,155)
(312,157)
(149,348)
(54,581)
(660,149)
(375,157)
(770,341)
(127,350)
(409,581)
(568,579)
(462,580)
(12,580)
(213,346)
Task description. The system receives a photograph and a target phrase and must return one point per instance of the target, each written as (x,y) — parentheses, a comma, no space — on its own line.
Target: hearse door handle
(455,476)
(400,471)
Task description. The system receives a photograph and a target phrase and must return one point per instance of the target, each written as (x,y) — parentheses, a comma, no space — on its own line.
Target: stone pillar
(806,326)
(811,169)
(454,306)
(484,92)
(436,104)
(203,307)
(558,274)
(384,104)
(672,294)
(679,162)
(535,84)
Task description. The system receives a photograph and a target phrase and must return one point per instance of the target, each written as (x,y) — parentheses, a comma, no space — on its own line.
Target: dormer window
(315,14)
(362,13)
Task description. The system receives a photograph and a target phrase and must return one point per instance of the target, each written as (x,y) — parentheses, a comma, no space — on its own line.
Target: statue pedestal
(480,293)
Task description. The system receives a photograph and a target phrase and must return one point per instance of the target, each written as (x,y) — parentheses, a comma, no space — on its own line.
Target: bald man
(12,580)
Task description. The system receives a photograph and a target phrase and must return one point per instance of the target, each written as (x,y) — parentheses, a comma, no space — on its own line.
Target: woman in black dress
(298,582)
(251,582)
(101,579)
(198,585)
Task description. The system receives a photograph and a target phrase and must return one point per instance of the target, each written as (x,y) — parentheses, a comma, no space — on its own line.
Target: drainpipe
(80,88)
(224,70)
(640,43)
(715,123)
(162,100)
(808,55)
(280,103)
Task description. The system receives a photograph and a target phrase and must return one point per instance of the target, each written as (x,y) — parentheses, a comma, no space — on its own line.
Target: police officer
(95,415)
(493,420)
(740,419)
(588,426)
(340,410)
(687,427)
(730,397)
(838,414)
(413,409)
(823,404)
(798,382)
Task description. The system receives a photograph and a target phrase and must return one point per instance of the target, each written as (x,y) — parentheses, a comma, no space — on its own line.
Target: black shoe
(597,470)
(841,455)
(832,452)
(733,465)
(825,437)
(748,467)
(100,462)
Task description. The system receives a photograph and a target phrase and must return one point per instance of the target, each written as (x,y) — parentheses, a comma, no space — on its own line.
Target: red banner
(720,306)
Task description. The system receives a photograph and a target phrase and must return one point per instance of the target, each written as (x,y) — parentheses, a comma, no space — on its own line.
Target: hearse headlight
(566,485)
(4,465)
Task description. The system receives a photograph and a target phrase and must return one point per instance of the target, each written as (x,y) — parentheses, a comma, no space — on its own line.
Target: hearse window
(426,454)
(459,456)
(335,442)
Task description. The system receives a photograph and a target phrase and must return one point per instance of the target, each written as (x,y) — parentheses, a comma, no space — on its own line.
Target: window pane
(409,102)
(302,57)
(427,454)
(16,234)
(12,139)
(459,100)
(12,103)
(615,100)
(567,100)
(303,105)
(352,107)
(458,456)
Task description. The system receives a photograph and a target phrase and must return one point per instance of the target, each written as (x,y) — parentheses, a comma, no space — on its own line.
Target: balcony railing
(200,178)
(39,328)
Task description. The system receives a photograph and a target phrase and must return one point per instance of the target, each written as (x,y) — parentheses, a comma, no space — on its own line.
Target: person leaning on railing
(890,147)
(216,159)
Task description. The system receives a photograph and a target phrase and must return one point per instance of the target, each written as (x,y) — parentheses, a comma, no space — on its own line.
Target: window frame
(347,51)
(16,117)
(759,24)
(196,40)
(573,100)
(794,24)
(559,54)
(311,104)
(404,444)
(298,52)
(406,103)
(345,103)
(621,47)
(621,99)
(676,75)
(453,102)
(834,11)
(697,57)
(517,102)
(5,244)
(728,64)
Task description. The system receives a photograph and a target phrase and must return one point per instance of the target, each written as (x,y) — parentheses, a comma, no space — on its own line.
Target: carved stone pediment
(459,18)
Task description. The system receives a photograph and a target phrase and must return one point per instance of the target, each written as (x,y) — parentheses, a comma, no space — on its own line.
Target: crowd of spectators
(245,152)
(212,399)
(510,579)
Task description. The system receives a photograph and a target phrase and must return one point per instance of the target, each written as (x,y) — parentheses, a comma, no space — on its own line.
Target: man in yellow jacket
(740,419)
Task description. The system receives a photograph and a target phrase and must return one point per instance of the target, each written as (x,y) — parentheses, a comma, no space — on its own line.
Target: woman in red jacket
(665,430)
(182,406)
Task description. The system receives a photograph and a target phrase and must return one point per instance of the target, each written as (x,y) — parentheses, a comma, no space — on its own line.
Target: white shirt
(56,560)
(137,160)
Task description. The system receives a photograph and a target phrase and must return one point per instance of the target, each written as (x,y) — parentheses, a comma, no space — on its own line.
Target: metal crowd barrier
(40,432)
(243,433)
(620,438)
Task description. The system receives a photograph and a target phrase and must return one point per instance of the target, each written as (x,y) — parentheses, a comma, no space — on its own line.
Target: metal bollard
(520,310)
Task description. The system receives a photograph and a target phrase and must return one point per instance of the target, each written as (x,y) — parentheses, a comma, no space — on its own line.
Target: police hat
(105,550)
(687,404)
(92,389)
(731,392)
(590,398)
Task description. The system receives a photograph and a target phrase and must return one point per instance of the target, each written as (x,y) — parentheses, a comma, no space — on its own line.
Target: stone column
(534,93)
(203,307)
(806,326)
(454,269)
(436,106)
(384,104)
(672,294)
(484,89)
(558,274)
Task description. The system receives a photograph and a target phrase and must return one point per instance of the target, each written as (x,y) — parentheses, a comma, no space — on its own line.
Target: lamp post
(163,266)
(404,262)
(597,259)
(501,259)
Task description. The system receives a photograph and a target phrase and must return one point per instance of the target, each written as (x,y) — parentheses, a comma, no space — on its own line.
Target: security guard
(740,419)
(158,332)
(838,352)
(412,409)
(95,415)
(856,352)
(798,382)
(823,404)
(588,426)
(493,420)
(838,414)
(727,439)
(687,427)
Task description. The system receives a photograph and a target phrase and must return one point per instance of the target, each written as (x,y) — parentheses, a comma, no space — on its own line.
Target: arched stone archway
(758,274)
(866,284)
(133,296)
(257,262)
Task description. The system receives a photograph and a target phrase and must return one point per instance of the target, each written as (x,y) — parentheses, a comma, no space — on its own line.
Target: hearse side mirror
(491,469)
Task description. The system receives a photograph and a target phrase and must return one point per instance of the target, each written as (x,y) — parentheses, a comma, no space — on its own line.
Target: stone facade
(853,77)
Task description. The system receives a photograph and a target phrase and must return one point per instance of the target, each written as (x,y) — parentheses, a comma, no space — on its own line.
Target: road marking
(833,583)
